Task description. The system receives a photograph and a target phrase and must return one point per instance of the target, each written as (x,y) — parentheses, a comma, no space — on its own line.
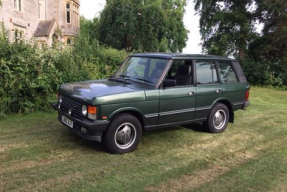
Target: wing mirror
(169,83)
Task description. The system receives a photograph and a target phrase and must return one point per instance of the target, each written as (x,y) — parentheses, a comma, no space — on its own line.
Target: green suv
(151,91)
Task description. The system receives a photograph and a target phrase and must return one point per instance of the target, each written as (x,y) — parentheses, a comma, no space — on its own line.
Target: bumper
(246,104)
(94,128)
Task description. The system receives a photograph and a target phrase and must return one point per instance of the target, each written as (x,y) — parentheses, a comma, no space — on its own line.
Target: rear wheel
(217,119)
(123,134)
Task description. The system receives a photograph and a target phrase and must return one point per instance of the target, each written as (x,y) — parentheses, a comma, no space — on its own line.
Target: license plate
(67,121)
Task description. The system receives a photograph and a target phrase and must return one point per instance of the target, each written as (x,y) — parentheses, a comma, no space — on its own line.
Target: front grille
(70,104)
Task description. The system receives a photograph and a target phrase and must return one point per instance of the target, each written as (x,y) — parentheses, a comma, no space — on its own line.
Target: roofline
(181,56)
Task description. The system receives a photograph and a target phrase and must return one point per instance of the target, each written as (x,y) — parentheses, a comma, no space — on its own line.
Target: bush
(265,73)
(30,76)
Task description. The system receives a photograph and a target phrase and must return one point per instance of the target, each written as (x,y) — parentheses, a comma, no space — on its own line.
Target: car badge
(70,111)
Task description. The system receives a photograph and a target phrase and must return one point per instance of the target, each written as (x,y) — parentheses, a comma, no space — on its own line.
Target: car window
(180,71)
(206,72)
(136,67)
(226,72)
(144,69)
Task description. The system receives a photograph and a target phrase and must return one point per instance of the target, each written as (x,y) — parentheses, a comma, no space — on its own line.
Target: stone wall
(28,19)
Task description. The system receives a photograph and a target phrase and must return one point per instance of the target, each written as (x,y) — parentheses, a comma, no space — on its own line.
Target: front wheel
(123,134)
(217,119)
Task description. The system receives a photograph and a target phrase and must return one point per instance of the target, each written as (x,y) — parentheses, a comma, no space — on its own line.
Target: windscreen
(144,69)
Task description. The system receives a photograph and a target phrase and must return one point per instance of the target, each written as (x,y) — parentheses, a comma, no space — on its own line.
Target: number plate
(67,121)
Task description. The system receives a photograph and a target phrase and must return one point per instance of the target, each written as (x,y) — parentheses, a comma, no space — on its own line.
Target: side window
(206,72)
(181,72)
(226,72)
(68,13)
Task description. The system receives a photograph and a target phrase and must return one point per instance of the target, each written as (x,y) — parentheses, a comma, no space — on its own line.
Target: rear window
(226,72)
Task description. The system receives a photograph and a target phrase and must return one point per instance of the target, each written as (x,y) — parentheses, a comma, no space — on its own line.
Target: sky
(91,8)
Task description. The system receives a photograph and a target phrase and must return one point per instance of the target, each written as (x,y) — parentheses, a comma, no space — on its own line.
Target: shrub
(30,76)
(266,73)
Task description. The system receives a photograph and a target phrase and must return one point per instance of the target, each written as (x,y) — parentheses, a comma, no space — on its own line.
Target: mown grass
(37,153)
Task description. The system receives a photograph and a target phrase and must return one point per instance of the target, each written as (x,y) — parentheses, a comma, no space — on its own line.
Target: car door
(208,88)
(231,87)
(177,103)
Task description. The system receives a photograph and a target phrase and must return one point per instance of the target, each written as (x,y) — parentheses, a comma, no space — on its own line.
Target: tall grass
(30,76)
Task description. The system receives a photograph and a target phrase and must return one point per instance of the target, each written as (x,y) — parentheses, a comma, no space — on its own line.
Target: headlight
(92,112)
(60,99)
(84,110)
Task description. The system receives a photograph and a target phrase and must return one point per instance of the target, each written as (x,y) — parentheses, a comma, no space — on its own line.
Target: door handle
(218,91)
(191,93)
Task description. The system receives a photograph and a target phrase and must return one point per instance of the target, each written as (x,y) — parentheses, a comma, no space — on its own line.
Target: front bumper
(94,128)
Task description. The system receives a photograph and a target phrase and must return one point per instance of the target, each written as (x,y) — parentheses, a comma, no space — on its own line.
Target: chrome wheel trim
(219,119)
(125,135)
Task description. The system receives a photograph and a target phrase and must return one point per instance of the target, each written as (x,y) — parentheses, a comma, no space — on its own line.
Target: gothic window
(68,12)
(15,4)
(39,9)
(18,5)
(19,33)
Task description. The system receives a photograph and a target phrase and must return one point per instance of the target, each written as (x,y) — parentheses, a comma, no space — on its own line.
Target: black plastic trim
(153,127)
(98,126)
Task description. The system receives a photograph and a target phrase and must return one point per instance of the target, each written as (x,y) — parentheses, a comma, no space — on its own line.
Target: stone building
(43,21)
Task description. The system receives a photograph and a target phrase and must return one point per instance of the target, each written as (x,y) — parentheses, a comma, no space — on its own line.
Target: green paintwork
(99,92)
(205,97)
(156,106)
(176,104)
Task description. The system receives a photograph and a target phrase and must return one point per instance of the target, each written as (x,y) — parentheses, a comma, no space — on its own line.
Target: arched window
(39,9)
(68,12)
(18,5)
(15,4)
(68,41)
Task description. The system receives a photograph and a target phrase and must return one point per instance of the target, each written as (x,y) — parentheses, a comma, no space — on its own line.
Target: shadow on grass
(84,144)
(80,142)
(197,127)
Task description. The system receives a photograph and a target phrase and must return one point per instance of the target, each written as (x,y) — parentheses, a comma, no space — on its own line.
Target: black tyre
(123,134)
(217,119)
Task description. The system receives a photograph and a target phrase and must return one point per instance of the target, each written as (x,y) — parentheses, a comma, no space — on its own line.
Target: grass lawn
(37,153)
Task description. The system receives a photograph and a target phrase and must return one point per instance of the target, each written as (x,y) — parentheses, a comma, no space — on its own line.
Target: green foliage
(264,73)
(89,29)
(143,25)
(30,76)
(272,45)
(226,27)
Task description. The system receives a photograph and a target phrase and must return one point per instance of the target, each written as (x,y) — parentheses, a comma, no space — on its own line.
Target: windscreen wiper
(119,80)
(144,80)
(125,76)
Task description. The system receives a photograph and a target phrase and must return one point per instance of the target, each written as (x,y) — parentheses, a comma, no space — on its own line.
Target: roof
(44,28)
(180,56)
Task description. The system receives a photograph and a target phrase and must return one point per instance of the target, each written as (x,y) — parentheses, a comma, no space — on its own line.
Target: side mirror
(169,83)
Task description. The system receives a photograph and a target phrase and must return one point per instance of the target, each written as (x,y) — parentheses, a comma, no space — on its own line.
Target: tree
(89,28)
(226,26)
(272,44)
(144,25)
(270,49)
